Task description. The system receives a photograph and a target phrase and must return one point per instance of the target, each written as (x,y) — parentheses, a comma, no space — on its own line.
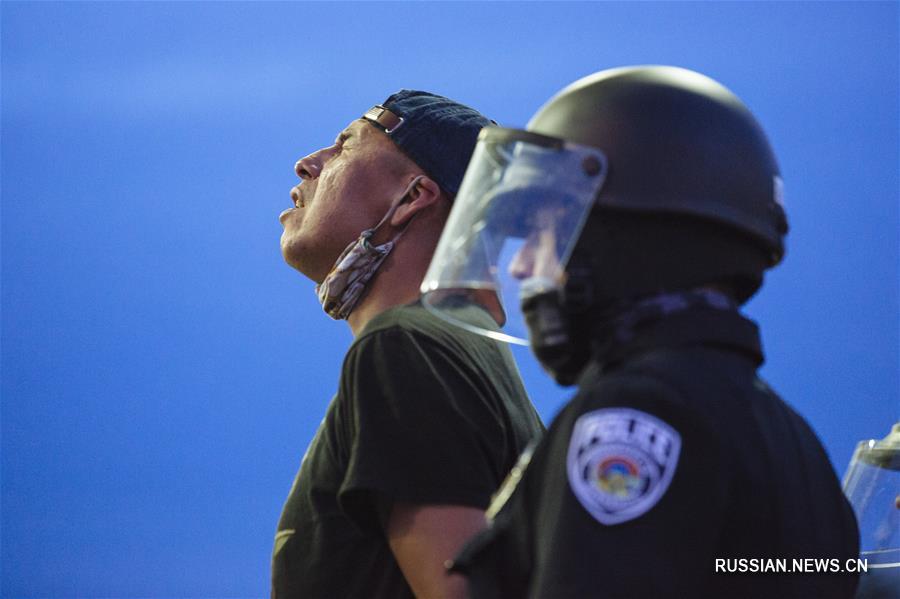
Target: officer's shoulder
(643,393)
(627,386)
(610,399)
(632,389)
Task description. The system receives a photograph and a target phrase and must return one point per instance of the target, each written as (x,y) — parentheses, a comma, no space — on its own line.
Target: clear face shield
(514,224)
(872,485)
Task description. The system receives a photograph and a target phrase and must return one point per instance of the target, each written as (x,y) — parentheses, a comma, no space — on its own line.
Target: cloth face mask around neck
(342,288)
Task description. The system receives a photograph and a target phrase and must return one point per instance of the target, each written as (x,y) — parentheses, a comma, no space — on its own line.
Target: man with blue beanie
(427,419)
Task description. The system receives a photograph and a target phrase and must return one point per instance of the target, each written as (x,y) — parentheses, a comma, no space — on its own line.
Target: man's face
(346,188)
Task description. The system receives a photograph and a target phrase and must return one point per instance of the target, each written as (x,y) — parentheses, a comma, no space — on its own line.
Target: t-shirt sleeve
(420,428)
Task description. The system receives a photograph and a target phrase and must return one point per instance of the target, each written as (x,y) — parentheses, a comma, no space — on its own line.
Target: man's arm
(424,537)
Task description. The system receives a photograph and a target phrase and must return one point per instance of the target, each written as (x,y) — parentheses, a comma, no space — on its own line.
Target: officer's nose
(522,263)
(537,257)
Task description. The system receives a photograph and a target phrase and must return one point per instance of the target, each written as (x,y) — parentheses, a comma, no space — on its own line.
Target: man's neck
(396,283)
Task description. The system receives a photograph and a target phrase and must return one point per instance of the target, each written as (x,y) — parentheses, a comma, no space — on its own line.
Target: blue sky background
(163,370)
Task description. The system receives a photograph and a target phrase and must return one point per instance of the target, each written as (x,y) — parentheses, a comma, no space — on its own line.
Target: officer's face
(539,254)
(346,188)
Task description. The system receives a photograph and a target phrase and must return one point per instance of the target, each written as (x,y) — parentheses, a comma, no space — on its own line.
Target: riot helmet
(628,182)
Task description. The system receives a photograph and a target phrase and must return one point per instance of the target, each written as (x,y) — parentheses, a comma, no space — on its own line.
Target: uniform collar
(695,326)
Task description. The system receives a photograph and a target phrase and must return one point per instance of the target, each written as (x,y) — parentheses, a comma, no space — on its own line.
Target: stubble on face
(350,188)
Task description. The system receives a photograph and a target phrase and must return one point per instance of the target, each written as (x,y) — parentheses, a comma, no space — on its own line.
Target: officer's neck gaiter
(659,306)
(619,329)
(342,288)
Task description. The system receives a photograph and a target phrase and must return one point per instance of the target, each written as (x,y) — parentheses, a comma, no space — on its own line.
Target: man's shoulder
(412,317)
(398,338)
(411,342)
(401,324)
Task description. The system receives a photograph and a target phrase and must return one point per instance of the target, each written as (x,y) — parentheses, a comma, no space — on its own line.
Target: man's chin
(290,253)
(292,258)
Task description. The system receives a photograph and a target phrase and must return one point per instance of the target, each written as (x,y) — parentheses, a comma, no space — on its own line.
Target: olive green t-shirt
(425,413)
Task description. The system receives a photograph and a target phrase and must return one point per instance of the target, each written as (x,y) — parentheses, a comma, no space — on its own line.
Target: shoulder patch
(620,462)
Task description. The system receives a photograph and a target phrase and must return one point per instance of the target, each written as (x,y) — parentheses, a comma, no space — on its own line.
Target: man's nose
(310,166)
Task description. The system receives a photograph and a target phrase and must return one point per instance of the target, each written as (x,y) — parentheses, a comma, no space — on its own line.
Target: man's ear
(424,194)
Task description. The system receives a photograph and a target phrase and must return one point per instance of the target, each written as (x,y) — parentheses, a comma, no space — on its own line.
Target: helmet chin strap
(344,285)
(569,326)
(559,343)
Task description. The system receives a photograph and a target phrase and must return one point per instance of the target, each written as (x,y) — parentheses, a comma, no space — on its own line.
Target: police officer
(630,221)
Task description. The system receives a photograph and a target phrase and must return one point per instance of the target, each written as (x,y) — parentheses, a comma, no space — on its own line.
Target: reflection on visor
(519,211)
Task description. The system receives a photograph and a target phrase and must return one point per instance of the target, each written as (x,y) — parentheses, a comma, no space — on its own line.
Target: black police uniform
(425,413)
(673,454)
